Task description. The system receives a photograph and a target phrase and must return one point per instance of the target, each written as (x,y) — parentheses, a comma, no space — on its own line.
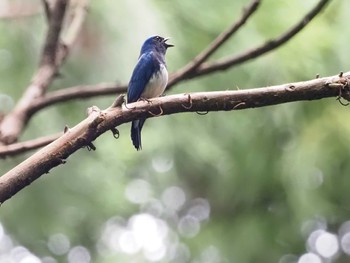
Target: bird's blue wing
(145,68)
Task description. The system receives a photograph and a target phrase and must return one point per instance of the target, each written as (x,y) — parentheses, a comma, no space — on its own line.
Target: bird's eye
(158,38)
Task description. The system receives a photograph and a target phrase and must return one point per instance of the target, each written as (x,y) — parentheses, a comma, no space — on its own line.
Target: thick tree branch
(99,122)
(53,56)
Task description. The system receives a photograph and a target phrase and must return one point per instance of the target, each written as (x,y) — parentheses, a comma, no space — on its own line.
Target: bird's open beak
(166,44)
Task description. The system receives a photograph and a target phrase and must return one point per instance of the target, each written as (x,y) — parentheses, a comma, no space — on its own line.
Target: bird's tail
(136,127)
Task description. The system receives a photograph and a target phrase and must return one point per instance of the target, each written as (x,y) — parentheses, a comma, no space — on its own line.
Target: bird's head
(156,43)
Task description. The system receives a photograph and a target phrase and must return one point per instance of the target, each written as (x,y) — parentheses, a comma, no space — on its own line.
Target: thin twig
(47,10)
(77,92)
(207,68)
(223,64)
(22,147)
(219,41)
(199,102)
(77,19)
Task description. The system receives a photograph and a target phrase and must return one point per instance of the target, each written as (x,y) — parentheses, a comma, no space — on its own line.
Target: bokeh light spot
(110,234)
(199,209)
(173,197)
(5,243)
(58,244)
(309,258)
(2,232)
(128,243)
(156,255)
(210,255)
(23,255)
(345,243)
(79,254)
(344,228)
(311,241)
(188,226)
(327,245)
(138,191)
(148,231)
(162,163)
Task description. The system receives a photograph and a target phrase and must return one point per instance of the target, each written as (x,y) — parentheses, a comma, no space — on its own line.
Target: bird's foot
(157,114)
(145,99)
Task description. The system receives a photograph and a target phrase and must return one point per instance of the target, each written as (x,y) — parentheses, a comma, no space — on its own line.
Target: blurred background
(258,185)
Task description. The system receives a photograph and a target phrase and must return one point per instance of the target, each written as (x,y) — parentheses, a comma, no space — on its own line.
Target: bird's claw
(145,99)
(158,114)
(343,88)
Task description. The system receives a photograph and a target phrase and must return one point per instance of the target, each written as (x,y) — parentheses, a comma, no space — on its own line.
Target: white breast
(156,84)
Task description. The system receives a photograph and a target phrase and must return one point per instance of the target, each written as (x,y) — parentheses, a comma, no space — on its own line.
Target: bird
(148,80)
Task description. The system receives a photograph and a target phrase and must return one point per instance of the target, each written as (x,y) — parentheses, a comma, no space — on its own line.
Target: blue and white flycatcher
(148,79)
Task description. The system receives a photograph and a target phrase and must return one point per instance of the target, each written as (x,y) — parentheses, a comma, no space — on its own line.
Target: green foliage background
(271,176)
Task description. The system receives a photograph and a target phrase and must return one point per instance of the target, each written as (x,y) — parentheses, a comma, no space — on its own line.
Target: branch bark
(98,122)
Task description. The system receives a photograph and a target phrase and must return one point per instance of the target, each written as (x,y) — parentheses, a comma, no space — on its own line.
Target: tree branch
(98,122)
(35,99)
(53,56)
(47,10)
(51,45)
(77,92)
(218,42)
(87,91)
(223,64)
(22,147)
